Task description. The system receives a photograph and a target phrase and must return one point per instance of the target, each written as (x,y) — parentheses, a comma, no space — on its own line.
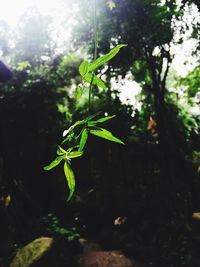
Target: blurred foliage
(192,82)
(150,28)
(53,228)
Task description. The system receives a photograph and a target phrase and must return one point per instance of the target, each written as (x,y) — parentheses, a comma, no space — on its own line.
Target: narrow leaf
(84,137)
(71,128)
(77,123)
(105,58)
(68,138)
(101,120)
(69,174)
(70,134)
(53,164)
(96,80)
(75,154)
(91,117)
(103,130)
(103,133)
(59,153)
(99,82)
(62,150)
(91,123)
(83,68)
(67,131)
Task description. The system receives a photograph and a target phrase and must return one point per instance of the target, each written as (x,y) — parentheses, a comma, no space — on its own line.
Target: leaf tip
(69,197)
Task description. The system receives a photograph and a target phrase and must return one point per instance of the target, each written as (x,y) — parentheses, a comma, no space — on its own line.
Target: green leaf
(84,137)
(75,154)
(103,133)
(69,174)
(53,164)
(91,117)
(69,131)
(89,77)
(71,128)
(105,58)
(91,123)
(83,68)
(68,138)
(61,151)
(101,120)
(66,132)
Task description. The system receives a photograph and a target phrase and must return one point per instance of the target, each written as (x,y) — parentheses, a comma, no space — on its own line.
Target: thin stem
(95,30)
(94,56)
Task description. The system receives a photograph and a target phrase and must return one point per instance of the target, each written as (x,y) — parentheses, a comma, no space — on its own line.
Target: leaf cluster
(76,136)
(53,227)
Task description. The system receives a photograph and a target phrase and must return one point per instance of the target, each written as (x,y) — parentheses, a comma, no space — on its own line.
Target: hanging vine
(76,136)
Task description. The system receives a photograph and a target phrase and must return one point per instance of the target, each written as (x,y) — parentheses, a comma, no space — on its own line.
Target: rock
(106,259)
(32,252)
(94,256)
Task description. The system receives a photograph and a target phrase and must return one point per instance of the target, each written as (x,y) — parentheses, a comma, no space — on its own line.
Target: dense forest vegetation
(141,198)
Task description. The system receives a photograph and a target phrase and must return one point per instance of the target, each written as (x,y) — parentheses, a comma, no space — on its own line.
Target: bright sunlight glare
(11,11)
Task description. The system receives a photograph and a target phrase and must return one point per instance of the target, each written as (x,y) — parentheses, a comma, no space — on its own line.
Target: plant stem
(94,56)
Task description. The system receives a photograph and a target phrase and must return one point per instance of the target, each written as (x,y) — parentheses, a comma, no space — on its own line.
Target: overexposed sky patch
(184,61)
(128,89)
(11,10)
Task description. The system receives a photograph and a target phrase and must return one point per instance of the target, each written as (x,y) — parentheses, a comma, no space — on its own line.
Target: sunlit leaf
(61,151)
(69,174)
(71,128)
(84,137)
(77,123)
(53,164)
(101,120)
(105,58)
(83,68)
(103,133)
(91,117)
(75,154)
(67,131)
(89,77)
(92,123)
(68,138)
